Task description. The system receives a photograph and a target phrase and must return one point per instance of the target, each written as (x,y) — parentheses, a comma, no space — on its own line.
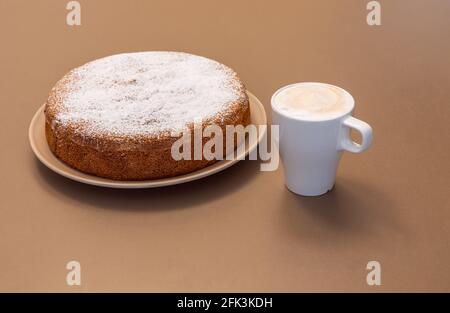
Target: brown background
(239,230)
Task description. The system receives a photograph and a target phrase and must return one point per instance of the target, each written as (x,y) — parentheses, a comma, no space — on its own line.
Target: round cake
(118,117)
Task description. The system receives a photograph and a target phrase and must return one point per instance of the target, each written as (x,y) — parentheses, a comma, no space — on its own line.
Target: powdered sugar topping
(147,93)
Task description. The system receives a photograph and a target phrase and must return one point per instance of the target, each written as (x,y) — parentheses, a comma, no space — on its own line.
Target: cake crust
(138,151)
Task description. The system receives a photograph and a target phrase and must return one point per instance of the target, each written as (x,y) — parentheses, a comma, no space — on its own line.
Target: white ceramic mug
(311,149)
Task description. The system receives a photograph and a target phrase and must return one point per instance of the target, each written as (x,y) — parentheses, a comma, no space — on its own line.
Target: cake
(118,117)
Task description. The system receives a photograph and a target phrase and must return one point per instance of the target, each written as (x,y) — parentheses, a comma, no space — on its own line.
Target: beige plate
(40,148)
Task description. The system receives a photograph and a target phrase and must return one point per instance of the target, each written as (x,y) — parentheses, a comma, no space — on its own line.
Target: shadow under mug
(311,149)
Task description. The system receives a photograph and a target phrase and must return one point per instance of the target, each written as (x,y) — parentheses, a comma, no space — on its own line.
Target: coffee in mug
(313,101)
(315,121)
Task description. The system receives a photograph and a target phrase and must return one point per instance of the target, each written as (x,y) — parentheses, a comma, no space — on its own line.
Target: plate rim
(169,181)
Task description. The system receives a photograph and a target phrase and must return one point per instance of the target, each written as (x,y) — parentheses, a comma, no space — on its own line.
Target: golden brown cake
(117,117)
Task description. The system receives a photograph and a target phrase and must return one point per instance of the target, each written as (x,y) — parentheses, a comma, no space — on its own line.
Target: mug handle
(363,128)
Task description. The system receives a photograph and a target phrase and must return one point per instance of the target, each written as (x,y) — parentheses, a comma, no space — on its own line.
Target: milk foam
(313,101)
